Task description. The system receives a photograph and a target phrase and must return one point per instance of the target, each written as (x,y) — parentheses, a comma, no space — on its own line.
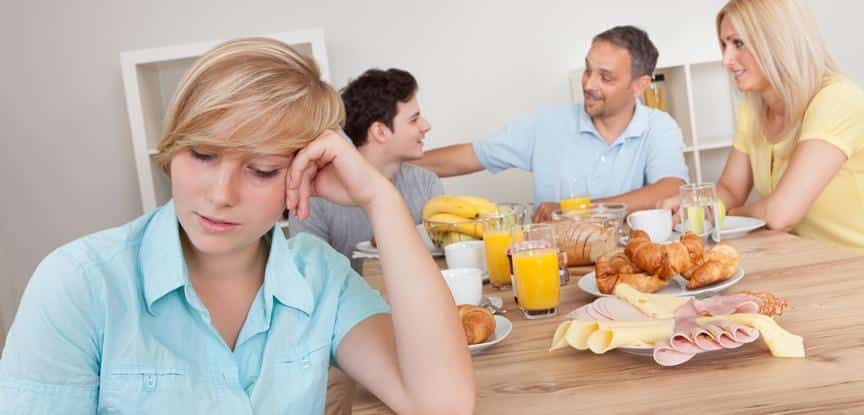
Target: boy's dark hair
(372,97)
(643,53)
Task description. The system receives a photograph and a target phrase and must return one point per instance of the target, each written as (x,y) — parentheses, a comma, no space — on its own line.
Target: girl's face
(738,59)
(226,201)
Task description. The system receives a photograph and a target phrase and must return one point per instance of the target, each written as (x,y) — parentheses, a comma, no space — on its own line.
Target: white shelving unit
(701,98)
(150,77)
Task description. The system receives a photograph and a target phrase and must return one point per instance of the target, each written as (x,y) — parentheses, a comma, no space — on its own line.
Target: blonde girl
(203,305)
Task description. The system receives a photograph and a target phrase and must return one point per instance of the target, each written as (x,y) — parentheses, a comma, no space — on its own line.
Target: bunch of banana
(458,212)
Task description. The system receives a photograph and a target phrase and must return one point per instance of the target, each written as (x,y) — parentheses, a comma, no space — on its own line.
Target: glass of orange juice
(496,239)
(535,270)
(574,194)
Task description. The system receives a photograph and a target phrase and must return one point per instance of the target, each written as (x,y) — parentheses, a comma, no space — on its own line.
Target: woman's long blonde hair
(257,95)
(784,39)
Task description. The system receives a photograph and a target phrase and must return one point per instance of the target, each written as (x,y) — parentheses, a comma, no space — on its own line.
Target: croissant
(478,322)
(695,248)
(718,263)
(662,260)
(619,269)
(606,271)
(643,282)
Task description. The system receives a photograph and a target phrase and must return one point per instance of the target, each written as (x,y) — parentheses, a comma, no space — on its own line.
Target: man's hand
(543,213)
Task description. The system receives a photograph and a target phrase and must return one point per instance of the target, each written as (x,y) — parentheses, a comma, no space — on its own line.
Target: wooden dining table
(824,286)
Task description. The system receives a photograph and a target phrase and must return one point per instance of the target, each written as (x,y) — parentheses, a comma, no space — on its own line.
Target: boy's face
(405,141)
(225,201)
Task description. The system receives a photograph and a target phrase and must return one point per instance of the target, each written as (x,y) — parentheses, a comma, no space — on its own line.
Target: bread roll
(478,322)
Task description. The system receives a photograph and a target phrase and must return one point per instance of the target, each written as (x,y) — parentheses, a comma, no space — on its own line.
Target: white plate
(680,230)
(676,287)
(738,226)
(503,327)
(367,248)
(638,351)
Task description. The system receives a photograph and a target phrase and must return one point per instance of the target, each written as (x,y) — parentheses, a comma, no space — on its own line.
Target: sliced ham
(720,305)
(617,309)
(666,355)
(691,339)
(607,309)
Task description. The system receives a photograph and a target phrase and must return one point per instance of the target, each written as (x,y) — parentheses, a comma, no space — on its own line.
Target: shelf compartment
(714,103)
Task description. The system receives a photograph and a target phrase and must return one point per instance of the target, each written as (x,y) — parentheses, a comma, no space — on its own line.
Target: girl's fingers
(305,190)
(290,195)
(311,154)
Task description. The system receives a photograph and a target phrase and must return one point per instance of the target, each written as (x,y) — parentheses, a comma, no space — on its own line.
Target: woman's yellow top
(836,116)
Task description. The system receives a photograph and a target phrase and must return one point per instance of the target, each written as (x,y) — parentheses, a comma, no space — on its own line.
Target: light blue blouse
(110,323)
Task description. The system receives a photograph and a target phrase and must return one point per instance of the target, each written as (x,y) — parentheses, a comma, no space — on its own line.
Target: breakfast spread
(648,266)
(478,322)
(677,328)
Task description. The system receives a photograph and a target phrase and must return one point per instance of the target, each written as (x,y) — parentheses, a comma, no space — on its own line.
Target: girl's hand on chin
(330,167)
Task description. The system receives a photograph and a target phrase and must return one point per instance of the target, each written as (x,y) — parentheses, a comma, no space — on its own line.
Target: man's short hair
(643,53)
(372,97)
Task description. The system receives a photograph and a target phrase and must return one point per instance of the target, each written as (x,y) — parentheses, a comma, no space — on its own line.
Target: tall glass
(574,194)
(535,270)
(496,239)
(699,209)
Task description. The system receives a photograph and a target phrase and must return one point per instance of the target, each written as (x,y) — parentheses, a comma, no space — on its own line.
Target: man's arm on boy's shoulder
(453,160)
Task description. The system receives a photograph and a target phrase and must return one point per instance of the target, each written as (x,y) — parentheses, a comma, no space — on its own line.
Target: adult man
(611,147)
(383,121)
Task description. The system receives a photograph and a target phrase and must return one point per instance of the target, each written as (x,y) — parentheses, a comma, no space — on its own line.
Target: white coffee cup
(466,284)
(657,223)
(466,254)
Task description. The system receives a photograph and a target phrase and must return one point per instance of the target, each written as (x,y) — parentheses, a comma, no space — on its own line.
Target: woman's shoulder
(839,90)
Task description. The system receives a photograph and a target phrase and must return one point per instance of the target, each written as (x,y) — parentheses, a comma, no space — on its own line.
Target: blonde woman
(203,306)
(800,127)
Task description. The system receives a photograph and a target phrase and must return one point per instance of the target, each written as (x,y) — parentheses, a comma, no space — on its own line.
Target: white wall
(66,165)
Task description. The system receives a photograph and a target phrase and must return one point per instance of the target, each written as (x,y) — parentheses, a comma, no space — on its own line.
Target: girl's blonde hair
(256,95)
(784,39)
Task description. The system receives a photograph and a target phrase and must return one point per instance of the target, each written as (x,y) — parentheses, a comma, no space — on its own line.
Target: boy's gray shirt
(343,227)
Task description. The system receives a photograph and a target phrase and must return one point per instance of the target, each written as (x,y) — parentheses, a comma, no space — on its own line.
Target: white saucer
(503,327)
(676,287)
(738,226)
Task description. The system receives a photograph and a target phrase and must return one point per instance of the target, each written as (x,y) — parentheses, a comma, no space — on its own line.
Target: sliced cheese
(558,341)
(579,332)
(654,305)
(614,334)
(602,336)
(780,342)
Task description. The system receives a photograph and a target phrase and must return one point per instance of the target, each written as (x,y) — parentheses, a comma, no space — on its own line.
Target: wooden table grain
(825,289)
